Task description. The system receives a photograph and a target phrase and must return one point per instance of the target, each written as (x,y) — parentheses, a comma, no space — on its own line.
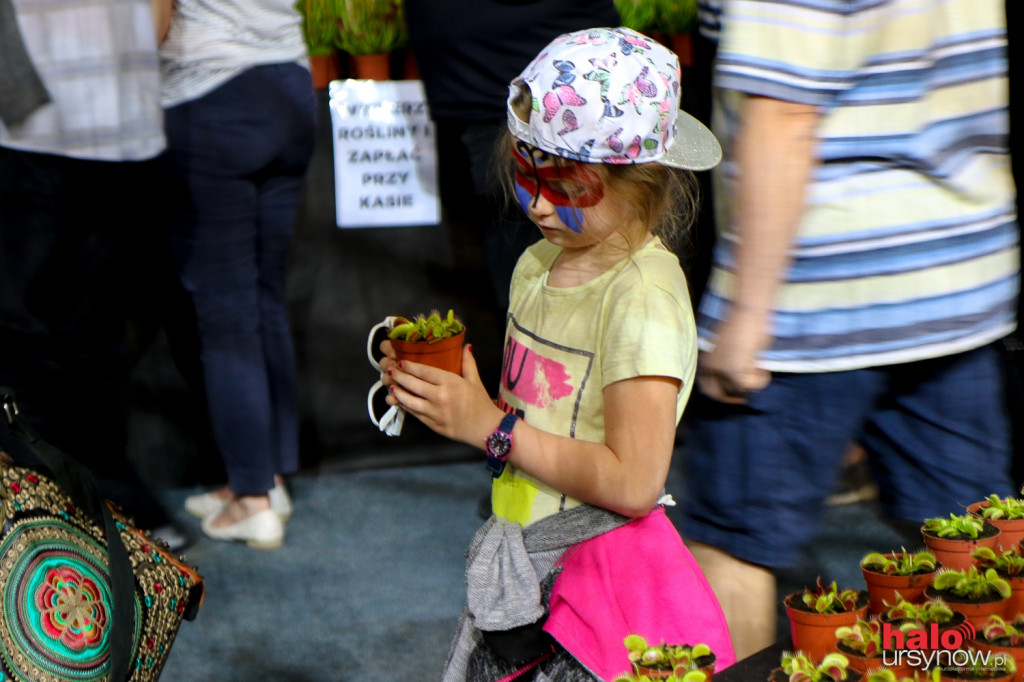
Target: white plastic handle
(388,322)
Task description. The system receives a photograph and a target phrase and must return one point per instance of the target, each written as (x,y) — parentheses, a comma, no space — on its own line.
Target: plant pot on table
(955,552)
(815,633)
(1011,529)
(886,588)
(976,612)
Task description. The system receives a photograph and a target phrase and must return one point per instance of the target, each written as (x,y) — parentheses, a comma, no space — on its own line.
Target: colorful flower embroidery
(71,608)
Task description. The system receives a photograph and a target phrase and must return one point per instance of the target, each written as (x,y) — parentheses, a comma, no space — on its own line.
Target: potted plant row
(999,636)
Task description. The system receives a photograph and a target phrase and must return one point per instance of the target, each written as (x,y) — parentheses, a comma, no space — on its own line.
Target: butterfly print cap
(610,95)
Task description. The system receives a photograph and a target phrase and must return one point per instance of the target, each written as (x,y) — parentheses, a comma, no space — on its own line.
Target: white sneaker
(262,530)
(205,505)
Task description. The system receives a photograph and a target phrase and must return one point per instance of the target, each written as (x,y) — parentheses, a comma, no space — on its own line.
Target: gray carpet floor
(369,583)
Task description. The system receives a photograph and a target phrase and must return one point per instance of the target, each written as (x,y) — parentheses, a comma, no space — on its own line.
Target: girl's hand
(458,407)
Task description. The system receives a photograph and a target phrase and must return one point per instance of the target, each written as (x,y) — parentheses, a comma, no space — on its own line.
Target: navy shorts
(936,432)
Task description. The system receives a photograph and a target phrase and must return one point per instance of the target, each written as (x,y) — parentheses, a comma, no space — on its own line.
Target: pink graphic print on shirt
(534,379)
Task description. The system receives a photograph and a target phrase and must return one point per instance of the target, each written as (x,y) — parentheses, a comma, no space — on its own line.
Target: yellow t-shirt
(563,346)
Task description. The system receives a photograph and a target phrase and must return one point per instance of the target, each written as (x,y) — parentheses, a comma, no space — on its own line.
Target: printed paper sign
(385,159)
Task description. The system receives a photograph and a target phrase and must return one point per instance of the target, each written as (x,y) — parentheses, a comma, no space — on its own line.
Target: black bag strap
(19,439)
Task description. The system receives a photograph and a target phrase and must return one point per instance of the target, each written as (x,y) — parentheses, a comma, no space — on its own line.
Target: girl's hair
(662,198)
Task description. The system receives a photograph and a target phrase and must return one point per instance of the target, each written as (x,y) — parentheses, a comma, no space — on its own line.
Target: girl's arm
(626,474)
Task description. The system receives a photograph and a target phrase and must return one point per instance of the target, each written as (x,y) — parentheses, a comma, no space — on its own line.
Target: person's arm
(162,10)
(775,154)
(626,474)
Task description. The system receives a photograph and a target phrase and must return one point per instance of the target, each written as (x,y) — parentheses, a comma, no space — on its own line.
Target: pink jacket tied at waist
(637,579)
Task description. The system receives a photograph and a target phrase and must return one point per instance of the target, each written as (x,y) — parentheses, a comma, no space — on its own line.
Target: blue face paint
(570,215)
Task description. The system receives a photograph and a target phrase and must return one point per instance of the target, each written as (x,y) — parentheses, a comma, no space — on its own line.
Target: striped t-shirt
(908,245)
(212,41)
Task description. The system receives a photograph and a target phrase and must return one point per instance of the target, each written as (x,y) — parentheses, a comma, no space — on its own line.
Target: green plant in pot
(1009,564)
(815,613)
(974,593)
(1005,513)
(371,28)
(432,339)
(952,540)
(800,667)
(930,611)
(665,660)
(999,636)
(903,572)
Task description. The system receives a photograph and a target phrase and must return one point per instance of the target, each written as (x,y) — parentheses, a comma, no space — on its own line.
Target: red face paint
(574,185)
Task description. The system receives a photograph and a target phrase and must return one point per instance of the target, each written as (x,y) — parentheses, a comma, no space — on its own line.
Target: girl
(599,361)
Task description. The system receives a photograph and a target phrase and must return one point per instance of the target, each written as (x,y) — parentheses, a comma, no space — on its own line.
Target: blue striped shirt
(908,245)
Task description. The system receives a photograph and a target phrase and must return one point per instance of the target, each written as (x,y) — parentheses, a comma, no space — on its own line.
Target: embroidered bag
(76,608)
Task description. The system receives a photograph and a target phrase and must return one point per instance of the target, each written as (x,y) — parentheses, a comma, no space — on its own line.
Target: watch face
(498,444)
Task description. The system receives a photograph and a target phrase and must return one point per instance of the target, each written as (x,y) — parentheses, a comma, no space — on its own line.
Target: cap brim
(695,147)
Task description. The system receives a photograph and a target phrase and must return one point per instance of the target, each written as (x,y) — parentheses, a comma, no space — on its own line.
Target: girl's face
(564,202)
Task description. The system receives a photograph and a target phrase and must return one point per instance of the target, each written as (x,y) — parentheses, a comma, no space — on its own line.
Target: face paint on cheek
(525,199)
(571,216)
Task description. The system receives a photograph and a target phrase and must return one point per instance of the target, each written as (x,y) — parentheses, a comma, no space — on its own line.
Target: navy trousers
(236,160)
(66,226)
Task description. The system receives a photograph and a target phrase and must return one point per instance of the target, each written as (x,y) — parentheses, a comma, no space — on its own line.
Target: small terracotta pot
(375,67)
(976,613)
(445,354)
(1015,604)
(1015,652)
(815,633)
(883,587)
(1011,531)
(323,69)
(956,554)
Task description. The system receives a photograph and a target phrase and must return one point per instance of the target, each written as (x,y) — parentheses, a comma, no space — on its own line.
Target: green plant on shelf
(798,667)
(900,563)
(956,526)
(658,16)
(931,611)
(972,583)
(997,630)
(1007,562)
(830,599)
(319,26)
(1003,508)
(371,26)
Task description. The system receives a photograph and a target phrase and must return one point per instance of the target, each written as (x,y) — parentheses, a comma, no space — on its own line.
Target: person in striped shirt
(865,267)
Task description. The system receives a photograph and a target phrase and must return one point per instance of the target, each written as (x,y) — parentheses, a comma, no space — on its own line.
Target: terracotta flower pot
(323,68)
(976,613)
(445,354)
(375,67)
(1015,652)
(706,664)
(1011,530)
(1015,604)
(956,554)
(815,633)
(883,587)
